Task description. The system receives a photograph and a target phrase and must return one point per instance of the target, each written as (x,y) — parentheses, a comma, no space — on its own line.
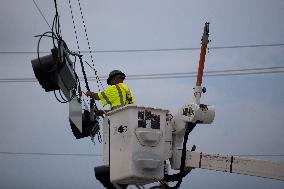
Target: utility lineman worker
(117,94)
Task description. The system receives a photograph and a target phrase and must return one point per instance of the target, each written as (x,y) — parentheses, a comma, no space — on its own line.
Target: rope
(74,26)
(89,47)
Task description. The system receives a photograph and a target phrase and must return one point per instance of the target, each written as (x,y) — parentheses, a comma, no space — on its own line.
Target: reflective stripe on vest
(128,95)
(120,95)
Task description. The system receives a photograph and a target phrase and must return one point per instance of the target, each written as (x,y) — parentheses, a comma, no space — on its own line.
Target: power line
(42,14)
(28,80)
(213,73)
(187,49)
(49,154)
(99,155)
(154,50)
(205,75)
(260,155)
(248,46)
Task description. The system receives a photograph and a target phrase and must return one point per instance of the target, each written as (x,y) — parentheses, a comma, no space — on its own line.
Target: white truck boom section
(234,164)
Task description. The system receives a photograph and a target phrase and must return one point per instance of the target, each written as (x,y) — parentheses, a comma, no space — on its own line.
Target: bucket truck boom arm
(234,164)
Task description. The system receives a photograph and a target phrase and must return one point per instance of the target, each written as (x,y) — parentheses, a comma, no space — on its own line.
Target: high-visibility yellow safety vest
(117,96)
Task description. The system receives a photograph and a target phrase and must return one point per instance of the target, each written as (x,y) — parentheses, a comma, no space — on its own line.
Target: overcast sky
(249,109)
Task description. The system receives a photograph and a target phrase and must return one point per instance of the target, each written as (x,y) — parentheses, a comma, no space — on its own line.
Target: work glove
(99,112)
(88,93)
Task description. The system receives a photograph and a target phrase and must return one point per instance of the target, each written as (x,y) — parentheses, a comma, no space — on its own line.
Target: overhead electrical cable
(42,14)
(92,155)
(212,73)
(155,50)
(6,80)
(48,154)
(205,75)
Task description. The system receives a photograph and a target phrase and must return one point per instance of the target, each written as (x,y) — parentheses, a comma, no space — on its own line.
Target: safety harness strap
(106,98)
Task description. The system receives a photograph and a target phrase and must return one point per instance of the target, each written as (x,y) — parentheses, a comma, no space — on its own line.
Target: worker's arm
(93,95)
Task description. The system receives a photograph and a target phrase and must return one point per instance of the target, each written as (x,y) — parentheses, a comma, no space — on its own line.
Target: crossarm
(236,164)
